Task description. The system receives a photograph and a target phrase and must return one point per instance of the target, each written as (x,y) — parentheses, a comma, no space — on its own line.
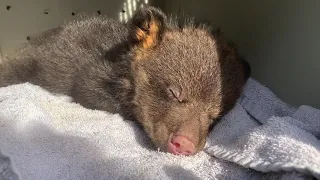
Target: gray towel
(49,137)
(265,134)
(6,171)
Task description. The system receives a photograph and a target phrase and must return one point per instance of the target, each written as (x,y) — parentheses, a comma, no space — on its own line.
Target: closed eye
(176,93)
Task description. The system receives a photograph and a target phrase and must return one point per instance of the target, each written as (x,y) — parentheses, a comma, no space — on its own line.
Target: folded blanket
(44,136)
(265,134)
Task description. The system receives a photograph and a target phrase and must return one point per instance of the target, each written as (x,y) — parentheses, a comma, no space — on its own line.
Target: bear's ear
(147,27)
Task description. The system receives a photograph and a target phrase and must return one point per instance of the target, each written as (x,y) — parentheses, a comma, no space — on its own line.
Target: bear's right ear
(147,27)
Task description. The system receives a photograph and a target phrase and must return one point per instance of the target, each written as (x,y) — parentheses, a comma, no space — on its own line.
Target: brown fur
(172,80)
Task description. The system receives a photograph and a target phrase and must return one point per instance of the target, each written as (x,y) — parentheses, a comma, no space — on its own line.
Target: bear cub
(175,81)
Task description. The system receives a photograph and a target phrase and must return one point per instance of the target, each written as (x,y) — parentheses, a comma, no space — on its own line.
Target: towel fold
(265,134)
(47,137)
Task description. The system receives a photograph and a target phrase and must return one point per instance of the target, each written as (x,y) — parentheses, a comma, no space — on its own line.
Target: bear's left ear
(147,27)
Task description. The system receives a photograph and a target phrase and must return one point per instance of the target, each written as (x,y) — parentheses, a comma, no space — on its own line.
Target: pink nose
(181,145)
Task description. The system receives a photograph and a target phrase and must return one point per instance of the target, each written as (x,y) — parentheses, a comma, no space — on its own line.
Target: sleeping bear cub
(175,81)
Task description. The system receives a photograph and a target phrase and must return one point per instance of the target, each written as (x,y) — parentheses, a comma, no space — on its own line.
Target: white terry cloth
(48,137)
(265,134)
